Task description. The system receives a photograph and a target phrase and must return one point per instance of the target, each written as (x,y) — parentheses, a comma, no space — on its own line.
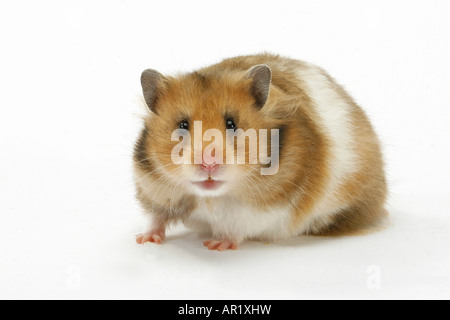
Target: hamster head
(207,132)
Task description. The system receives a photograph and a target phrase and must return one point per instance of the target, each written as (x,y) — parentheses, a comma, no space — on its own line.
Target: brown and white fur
(330,179)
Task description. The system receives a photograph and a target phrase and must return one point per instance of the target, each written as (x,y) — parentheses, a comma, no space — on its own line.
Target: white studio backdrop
(69,114)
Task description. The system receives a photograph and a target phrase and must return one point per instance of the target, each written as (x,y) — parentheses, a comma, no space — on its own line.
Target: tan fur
(208,94)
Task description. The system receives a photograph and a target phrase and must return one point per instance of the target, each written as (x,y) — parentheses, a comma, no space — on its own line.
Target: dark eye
(184,125)
(230,124)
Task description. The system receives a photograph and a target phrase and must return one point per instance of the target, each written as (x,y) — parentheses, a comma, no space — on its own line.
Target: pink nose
(209,166)
(208,163)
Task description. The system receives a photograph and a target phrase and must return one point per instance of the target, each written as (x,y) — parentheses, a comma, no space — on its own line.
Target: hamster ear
(261,76)
(152,82)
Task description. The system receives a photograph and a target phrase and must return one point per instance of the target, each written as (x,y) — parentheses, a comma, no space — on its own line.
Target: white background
(69,115)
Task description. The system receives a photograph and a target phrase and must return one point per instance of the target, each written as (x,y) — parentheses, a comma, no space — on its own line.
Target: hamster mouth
(209,184)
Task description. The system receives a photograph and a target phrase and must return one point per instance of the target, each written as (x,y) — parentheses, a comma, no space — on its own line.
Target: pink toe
(213,245)
(150,237)
(223,246)
(156,239)
(220,245)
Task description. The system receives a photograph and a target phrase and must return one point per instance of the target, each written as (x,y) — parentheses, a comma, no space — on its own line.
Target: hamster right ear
(261,77)
(152,83)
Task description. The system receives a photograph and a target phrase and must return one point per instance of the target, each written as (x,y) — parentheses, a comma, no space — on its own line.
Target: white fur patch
(334,114)
(229,219)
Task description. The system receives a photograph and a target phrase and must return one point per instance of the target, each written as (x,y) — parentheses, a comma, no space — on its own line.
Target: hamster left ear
(261,77)
(152,83)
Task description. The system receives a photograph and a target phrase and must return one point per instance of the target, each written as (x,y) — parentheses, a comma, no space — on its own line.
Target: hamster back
(256,147)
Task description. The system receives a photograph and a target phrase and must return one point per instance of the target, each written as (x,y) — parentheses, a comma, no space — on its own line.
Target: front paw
(221,245)
(154,236)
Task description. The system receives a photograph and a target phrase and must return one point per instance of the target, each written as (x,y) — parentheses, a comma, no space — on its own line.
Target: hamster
(328,178)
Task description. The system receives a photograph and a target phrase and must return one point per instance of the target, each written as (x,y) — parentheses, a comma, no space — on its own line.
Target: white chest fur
(231,219)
